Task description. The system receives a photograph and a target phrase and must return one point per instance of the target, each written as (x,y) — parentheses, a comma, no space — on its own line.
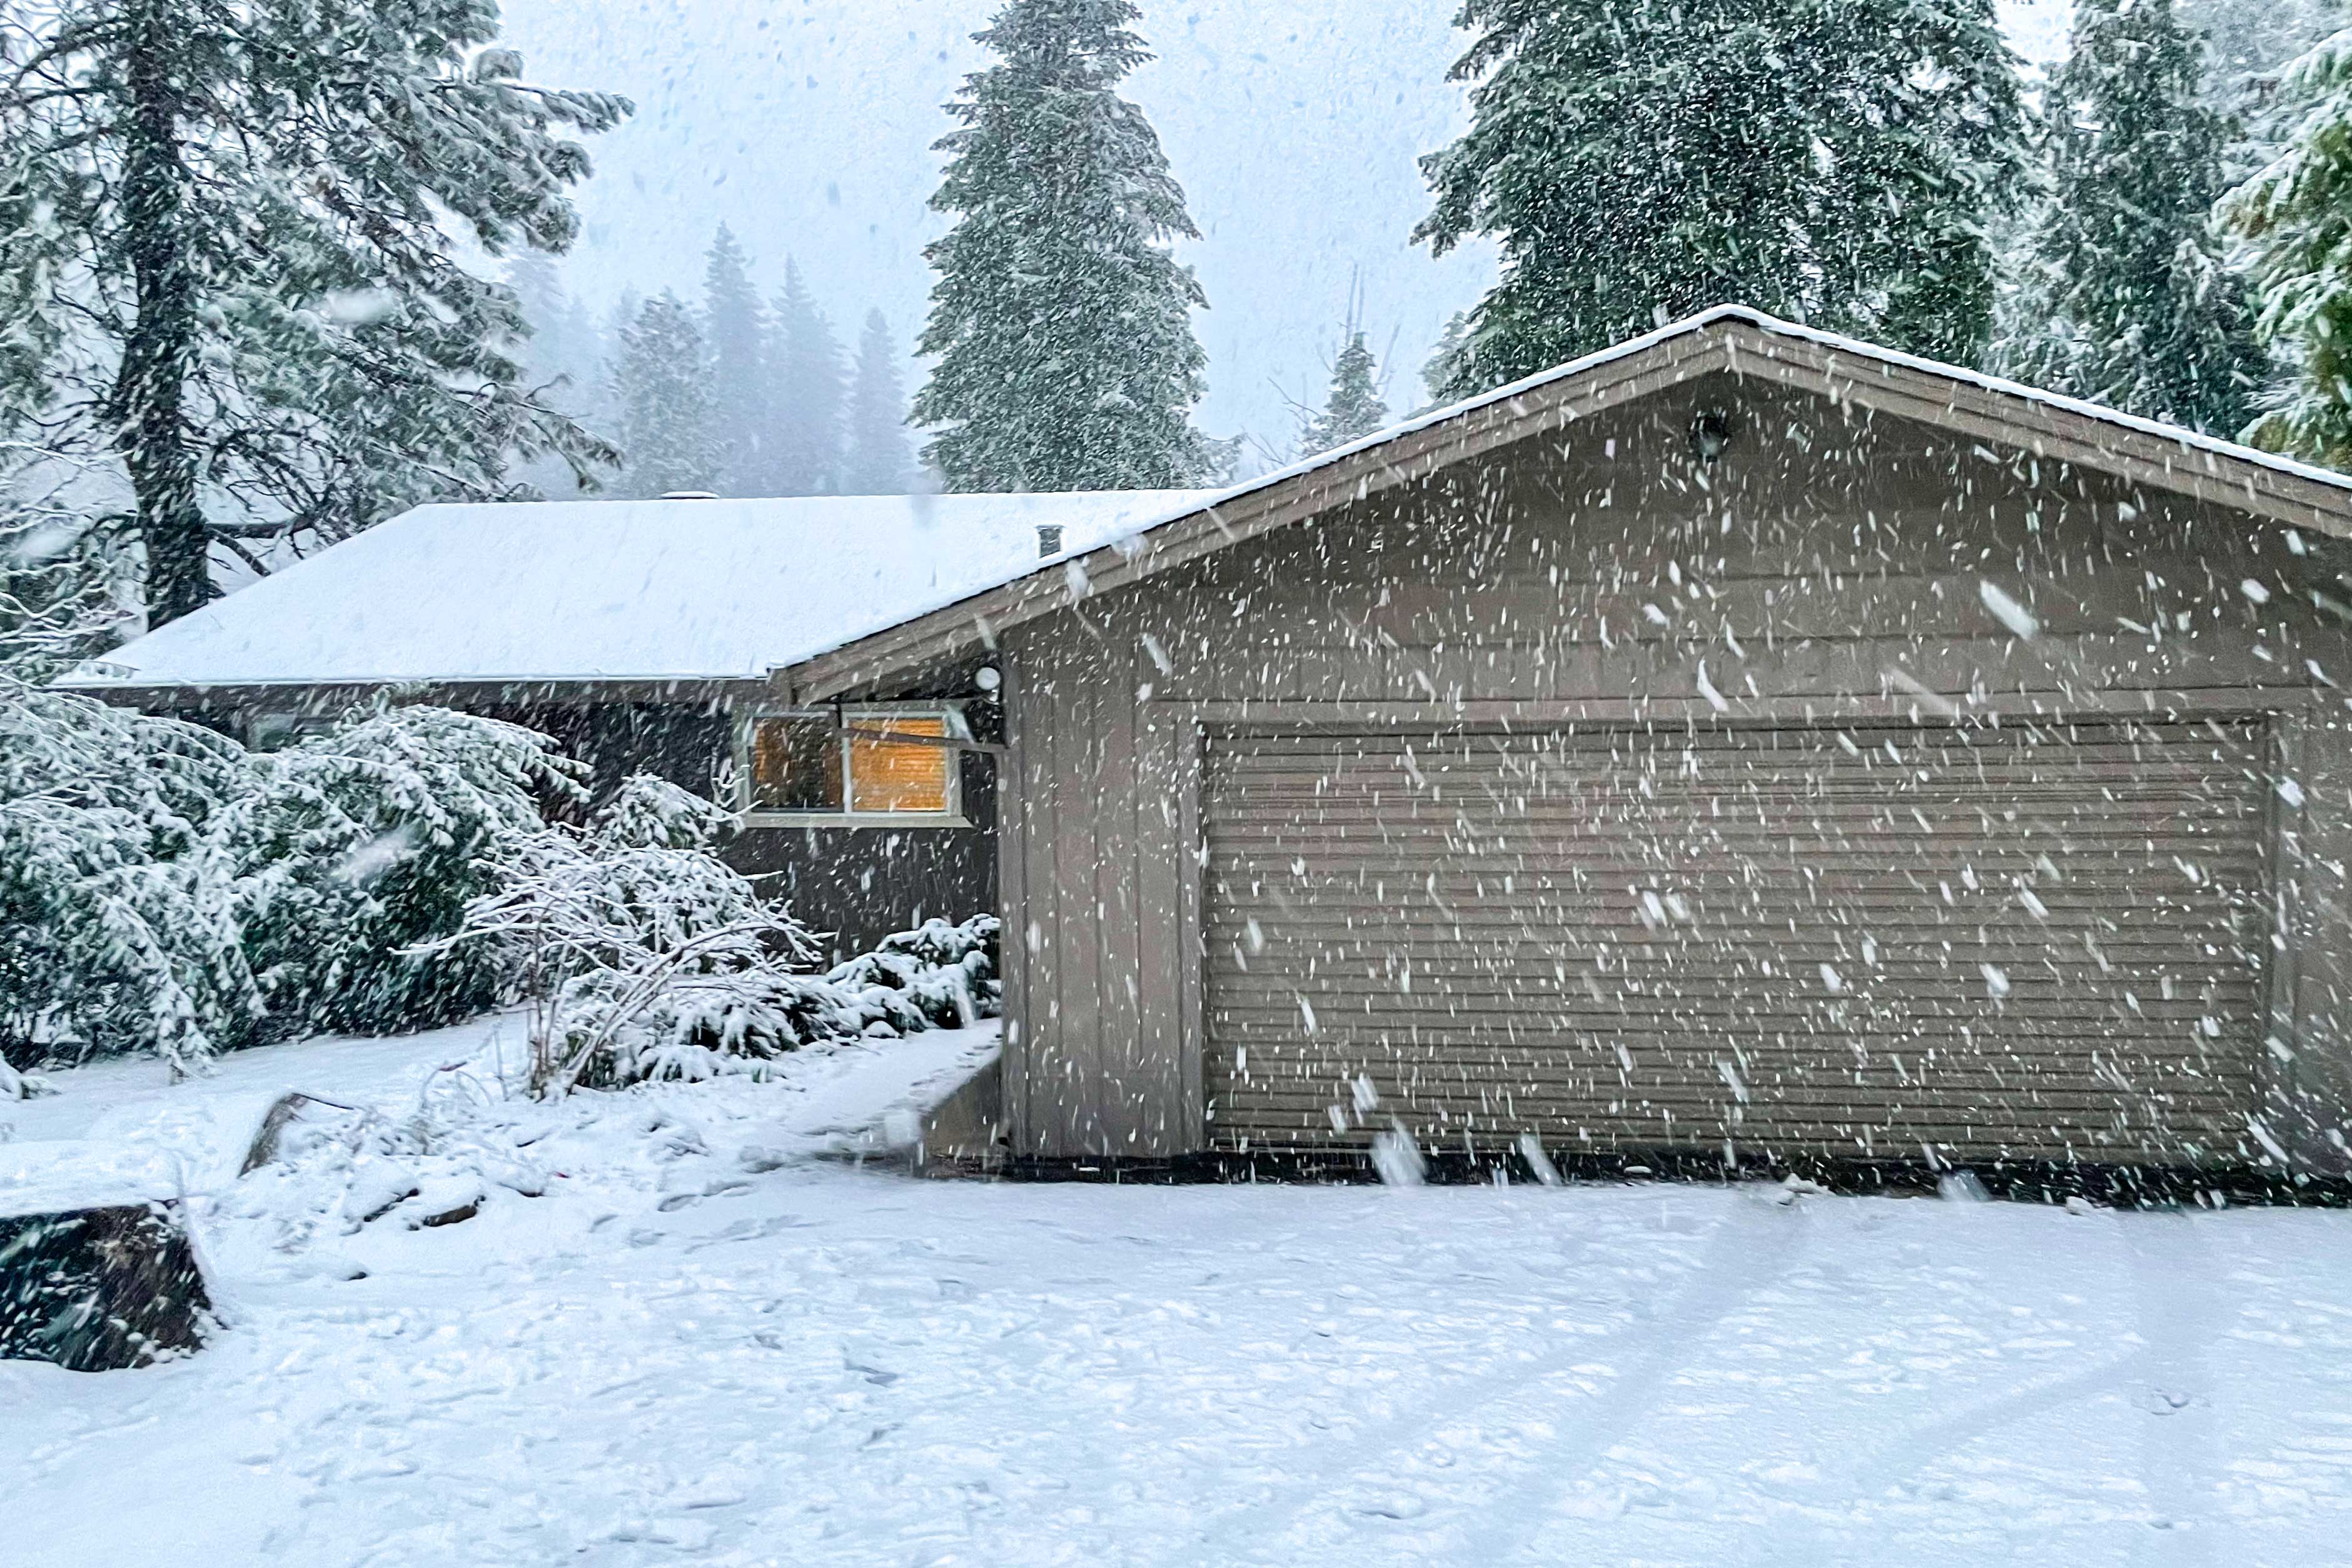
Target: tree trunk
(151,386)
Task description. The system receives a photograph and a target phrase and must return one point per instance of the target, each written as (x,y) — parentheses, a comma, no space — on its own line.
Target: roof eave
(1403,457)
(555,690)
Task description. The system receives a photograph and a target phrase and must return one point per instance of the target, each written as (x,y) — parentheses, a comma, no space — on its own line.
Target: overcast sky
(806,125)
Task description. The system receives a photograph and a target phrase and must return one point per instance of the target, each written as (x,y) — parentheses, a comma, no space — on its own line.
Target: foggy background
(806,126)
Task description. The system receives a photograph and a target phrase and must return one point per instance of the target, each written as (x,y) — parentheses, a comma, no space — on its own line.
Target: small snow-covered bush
(641,960)
(653,813)
(646,957)
(947,972)
(357,845)
(118,930)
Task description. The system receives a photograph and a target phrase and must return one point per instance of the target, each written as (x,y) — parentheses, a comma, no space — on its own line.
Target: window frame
(847,718)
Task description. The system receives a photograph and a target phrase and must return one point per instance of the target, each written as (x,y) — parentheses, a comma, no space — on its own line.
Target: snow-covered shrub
(947,972)
(172,776)
(357,845)
(163,890)
(642,960)
(655,813)
(118,927)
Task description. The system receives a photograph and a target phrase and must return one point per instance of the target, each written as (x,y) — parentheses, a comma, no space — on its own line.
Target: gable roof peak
(1732,338)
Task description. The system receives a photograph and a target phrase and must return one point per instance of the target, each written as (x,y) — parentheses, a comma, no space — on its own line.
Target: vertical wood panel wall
(1841,558)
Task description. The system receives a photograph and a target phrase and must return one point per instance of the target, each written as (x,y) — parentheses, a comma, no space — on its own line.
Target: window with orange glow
(887,774)
(872,762)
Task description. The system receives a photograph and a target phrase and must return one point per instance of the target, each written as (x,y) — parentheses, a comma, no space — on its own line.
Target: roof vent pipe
(1049,539)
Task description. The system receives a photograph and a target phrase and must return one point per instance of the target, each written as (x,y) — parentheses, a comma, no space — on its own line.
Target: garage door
(2016,942)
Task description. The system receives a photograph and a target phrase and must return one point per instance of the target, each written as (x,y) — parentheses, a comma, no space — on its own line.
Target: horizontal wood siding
(2042,942)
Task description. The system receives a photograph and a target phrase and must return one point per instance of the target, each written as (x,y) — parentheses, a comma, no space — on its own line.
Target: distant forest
(725,390)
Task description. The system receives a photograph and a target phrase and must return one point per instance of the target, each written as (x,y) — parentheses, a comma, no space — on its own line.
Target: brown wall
(864,884)
(1829,565)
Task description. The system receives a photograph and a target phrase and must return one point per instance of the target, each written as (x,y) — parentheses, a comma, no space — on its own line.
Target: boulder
(98,1289)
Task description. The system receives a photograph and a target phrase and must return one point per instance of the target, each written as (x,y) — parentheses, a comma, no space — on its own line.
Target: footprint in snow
(1387,1505)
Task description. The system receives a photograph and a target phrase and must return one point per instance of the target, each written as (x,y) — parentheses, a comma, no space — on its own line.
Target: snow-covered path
(824,1364)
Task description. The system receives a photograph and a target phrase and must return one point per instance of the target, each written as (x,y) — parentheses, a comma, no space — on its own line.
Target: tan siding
(1849,571)
(1117,983)
(1158,1060)
(1019,806)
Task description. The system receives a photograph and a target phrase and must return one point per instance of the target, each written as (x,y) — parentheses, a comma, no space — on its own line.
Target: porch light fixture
(1711,434)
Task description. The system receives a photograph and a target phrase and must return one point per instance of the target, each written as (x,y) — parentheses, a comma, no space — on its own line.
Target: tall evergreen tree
(662,382)
(2125,298)
(1830,161)
(805,420)
(1355,408)
(736,328)
(226,255)
(561,352)
(2297,225)
(61,570)
(1062,326)
(877,463)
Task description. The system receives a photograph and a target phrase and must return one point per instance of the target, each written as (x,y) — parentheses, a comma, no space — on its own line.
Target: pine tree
(2297,226)
(2247,45)
(1831,160)
(1354,408)
(1442,369)
(1061,325)
(662,382)
(2125,298)
(61,581)
(805,422)
(226,255)
(877,463)
(736,328)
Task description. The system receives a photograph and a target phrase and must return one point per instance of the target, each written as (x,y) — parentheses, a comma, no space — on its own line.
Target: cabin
(1746,744)
(640,634)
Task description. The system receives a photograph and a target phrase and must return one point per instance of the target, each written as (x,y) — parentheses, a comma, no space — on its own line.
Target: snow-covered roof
(615,590)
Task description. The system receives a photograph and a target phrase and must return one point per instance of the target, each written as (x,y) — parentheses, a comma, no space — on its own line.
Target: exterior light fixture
(1710,432)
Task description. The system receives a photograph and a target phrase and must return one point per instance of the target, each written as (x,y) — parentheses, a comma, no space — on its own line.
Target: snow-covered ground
(673,1356)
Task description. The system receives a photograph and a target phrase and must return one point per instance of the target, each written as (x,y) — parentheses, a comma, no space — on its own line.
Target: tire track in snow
(1754,1245)
(1915,1450)
(2165,1379)
(1750,1251)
